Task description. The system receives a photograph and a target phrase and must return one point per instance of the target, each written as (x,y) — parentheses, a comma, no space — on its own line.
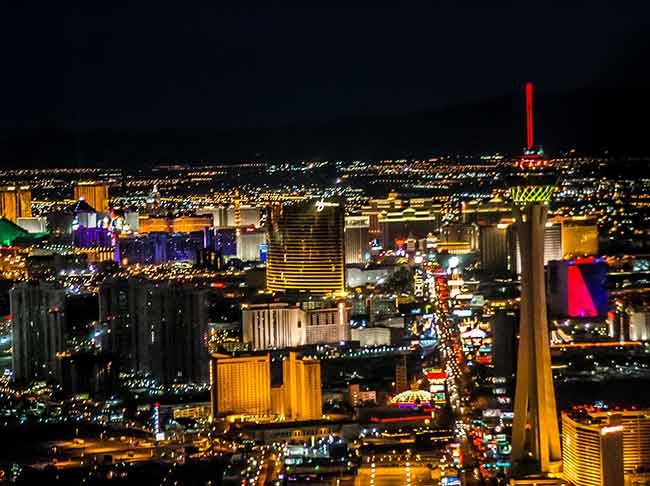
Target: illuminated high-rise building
(237,205)
(552,249)
(494,248)
(249,243)
(240,385)
(38,330)
(535,431)
(275,325)
(563,238)
(635,428)
(378,206)
(416,221)
(456,233)
(394,218)
(327,324)
(618,320)
(486,212)
(401,375)
(301,388)
(579,238)
(180,224)
(160,328)
(280,325)
(94,193)
(372,336)
(577,287)
(636,439)
(504,342)
(228,217)
(639,323)
(357,238)
(15,202)
(593,450)
(305,247)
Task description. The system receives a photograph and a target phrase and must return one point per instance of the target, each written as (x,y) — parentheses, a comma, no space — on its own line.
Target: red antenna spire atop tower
(529,116)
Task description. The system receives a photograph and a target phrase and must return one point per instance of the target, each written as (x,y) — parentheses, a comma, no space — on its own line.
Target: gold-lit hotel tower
(242,386)
(306,250)
(599,447)
(593,449)
(535,431)
(94,193)
(15,202)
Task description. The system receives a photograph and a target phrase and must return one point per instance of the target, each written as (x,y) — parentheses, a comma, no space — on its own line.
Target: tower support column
(535,431)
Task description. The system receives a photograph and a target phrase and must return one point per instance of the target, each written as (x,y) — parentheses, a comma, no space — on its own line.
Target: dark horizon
(147,84)
(591,121)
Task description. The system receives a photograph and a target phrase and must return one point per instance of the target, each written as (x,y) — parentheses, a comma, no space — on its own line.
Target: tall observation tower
(535,432)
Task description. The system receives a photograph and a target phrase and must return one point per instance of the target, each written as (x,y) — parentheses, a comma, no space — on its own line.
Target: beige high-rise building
(94,193)
(15,202)
(371,336)
(249,242)
(280,325)
(639,318)
(276,325)
(240,385)
(328,324)
(551,246)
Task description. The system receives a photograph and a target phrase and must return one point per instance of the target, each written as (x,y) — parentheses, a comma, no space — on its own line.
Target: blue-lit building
(155,248)
(225,241)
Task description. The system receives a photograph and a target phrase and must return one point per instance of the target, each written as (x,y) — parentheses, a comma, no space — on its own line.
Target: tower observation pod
(535,432)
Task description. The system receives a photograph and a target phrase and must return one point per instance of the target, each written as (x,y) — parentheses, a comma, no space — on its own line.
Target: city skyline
(173,273)
(325,245)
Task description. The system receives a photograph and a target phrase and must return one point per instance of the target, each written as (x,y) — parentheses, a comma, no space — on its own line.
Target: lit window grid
(306,249)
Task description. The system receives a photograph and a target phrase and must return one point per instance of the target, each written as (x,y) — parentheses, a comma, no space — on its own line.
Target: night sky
(167,65)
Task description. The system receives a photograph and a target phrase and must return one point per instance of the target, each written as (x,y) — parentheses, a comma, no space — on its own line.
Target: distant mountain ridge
(591,120)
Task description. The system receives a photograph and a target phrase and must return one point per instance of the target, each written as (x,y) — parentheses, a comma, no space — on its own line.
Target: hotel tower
(306,249)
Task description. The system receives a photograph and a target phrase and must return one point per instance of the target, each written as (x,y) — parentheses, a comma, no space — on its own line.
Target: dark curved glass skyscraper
(305,247)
